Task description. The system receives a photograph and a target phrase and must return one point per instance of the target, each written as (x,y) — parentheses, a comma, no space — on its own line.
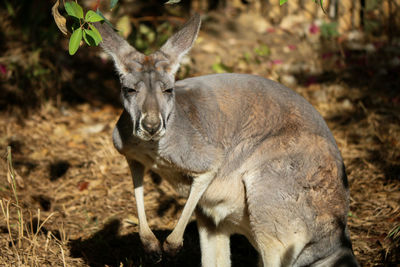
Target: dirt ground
(75,195)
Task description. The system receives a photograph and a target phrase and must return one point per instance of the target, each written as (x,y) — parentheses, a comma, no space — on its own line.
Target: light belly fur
(224,202)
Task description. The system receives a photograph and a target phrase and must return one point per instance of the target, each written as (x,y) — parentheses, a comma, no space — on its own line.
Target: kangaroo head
(147,82)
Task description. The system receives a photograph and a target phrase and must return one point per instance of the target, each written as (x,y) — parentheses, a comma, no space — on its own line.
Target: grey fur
(253,157)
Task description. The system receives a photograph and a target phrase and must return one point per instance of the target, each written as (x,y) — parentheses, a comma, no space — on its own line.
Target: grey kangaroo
(252,156)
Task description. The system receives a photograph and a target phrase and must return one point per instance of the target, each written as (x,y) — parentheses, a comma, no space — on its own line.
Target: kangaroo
(252,156)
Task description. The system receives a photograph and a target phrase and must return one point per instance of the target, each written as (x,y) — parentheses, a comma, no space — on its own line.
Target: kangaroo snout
(151,124)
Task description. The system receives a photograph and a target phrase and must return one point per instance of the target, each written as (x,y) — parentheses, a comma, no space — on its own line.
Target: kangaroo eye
(129,90)
(168,91)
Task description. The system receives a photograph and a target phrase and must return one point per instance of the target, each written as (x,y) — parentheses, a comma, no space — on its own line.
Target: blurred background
(66,194)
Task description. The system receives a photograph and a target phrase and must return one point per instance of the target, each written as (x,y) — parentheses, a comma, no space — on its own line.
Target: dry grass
(25,230)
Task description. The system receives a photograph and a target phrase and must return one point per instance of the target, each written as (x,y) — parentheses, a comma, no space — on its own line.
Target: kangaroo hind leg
(278,232)
(214,243)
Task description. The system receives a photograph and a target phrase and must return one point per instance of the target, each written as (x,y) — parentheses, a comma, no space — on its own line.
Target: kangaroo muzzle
(151,126)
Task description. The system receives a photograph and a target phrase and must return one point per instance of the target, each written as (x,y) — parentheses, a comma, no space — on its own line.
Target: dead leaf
(83,186)
(19,180)
(171,2)
(73,144)
(60,130)
(60,20)
(131,220)
(93,129)
(9,180)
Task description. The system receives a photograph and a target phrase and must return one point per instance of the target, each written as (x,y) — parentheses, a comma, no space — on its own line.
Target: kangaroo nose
(151,125)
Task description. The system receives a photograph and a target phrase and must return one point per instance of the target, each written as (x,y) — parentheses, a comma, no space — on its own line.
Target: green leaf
(88,39)
(247,57)
(92,16)
(262,50)
(171,2)
(329,30)
(220,67)
(74,10)
(95,34)
(75,40)
(113,3)
(322,5)
(10,9)
(281,2)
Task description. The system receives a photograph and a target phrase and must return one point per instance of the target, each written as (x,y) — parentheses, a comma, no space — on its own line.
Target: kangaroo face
(148,95)
(148,81)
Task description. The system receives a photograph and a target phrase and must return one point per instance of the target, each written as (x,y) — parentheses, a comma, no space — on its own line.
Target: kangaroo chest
(153,161)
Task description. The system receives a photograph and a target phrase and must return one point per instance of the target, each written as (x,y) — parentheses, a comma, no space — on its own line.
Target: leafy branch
(82,24)
(82,27)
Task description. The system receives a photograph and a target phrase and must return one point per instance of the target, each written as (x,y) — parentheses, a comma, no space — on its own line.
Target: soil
(74,190)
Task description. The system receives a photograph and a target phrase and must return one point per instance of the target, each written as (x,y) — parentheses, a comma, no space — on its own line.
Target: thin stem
(14,188)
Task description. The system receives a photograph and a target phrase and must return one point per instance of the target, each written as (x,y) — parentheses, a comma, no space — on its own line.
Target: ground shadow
(107,248)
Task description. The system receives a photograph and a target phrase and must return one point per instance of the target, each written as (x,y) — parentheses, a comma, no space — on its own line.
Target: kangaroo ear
(123,54)
(181,42)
